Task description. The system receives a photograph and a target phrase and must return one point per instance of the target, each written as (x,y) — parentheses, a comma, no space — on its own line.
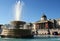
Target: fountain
(17,12)
(17,32)
(18,9)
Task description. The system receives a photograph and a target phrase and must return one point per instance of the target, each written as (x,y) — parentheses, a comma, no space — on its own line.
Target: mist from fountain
(18,9)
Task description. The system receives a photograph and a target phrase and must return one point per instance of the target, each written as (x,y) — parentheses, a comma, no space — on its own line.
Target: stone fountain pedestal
(17,32)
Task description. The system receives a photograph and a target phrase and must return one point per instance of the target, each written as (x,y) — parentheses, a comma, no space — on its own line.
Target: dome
(43,17)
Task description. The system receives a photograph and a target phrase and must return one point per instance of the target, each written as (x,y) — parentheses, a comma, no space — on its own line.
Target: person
(36,32)
(48,32)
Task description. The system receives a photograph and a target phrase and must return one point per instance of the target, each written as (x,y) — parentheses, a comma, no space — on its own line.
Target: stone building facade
(44,24)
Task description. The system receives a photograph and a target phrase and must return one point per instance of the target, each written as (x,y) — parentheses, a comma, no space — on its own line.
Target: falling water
(18,10)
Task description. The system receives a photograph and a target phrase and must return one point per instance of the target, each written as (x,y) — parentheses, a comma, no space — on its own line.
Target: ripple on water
(31,39)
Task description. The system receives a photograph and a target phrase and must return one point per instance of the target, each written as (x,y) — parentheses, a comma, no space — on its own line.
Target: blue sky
(32,10)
